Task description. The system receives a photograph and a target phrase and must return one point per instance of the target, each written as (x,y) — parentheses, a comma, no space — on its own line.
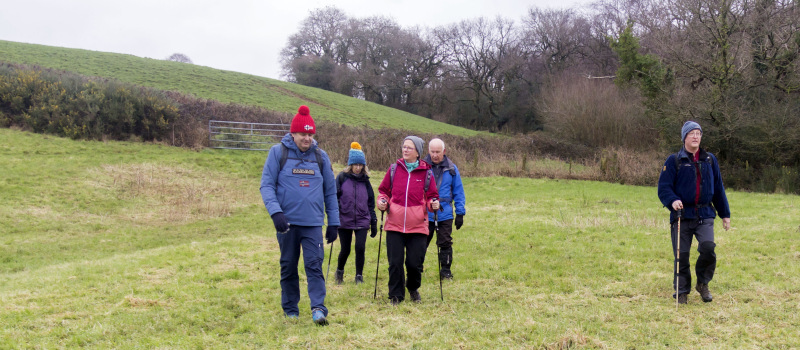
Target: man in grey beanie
(690,186)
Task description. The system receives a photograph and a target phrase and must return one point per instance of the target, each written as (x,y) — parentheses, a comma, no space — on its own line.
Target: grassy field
(130,245)
(224,86)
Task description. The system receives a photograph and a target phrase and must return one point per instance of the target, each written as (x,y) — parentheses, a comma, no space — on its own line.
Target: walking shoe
(702,288)
(683,298)
(415,296)
(359,279)
(446,275)
(319,317)
(339,276)
(395,301)
(292,315)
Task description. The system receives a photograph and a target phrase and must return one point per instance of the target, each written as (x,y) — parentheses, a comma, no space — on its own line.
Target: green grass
(130,245)
(224,86)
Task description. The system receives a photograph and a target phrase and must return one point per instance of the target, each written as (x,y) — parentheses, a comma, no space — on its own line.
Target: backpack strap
(393,169)
(428,177)
(285,156)
(318,153)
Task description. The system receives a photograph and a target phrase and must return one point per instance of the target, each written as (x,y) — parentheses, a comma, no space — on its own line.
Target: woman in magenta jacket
(403,192)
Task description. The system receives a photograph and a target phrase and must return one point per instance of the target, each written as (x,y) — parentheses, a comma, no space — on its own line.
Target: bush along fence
(78,107)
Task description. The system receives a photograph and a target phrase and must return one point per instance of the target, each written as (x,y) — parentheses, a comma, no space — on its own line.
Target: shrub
(70,105)
(596,113)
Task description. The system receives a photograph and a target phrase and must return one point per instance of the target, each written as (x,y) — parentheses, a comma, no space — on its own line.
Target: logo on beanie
(308,127)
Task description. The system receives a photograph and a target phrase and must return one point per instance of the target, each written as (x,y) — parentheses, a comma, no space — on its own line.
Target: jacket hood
(288,140)
(360,178)
(445,163)
(685,154)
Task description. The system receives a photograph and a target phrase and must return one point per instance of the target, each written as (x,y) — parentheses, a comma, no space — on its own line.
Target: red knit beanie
(302,121)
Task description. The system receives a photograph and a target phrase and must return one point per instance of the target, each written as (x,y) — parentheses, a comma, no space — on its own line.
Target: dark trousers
(346,238)
(310,239)
(706,263)
(408,249)
(444,240)
(444,233)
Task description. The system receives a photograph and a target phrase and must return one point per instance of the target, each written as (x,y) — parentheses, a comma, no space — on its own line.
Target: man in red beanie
(297,184)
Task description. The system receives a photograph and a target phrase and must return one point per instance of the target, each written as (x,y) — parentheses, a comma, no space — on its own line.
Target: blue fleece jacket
(681,183)
(300,190)
(451,190)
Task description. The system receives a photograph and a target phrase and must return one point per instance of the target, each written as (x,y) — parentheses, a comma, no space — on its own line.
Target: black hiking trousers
(346,239)
(444,240)
(703,230)
(404,249)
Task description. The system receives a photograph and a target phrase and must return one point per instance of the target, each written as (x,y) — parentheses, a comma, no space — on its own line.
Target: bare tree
(321,34)
(477,52)
(179,57)
(373,48)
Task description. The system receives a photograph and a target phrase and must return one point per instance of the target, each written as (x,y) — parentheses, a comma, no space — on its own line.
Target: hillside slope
(224,86)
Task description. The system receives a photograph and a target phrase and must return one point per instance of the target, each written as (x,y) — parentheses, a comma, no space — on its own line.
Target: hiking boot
(702,288)
(319,317)
(395,301)
(292,315)
(359,279)
(339,276)
(446,275)
(683,298)
(415,296)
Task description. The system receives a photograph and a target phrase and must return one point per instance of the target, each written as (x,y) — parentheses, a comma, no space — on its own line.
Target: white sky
(238,35)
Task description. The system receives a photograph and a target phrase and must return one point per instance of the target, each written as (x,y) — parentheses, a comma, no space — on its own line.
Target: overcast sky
(237,35)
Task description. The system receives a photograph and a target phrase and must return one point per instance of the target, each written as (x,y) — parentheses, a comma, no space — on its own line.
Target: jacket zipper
(405,207)
(355,202)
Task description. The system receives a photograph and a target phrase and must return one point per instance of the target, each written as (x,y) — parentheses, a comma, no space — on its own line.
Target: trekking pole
(329,263)
(677,260)
(377,268)
(438,250)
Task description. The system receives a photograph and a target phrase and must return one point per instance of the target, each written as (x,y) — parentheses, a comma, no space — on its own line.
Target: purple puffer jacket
(356,201)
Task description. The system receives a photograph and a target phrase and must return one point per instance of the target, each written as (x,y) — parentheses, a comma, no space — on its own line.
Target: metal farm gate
(244,135)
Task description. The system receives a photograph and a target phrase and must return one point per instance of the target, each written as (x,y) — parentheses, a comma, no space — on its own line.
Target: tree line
(614,73)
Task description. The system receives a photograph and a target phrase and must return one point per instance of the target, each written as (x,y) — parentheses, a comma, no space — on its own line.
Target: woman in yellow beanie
(356,211)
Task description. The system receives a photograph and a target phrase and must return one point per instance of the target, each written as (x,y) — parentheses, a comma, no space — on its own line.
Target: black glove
(280,222)
(459,221)
(374,228)
(331,233)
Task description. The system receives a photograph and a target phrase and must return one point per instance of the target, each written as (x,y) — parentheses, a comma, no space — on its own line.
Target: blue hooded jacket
(451,190)
(681,183)
(300,190)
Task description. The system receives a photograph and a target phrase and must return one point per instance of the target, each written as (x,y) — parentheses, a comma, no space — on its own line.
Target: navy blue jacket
(303,190)
(681,183)
(451,190)
(356,201)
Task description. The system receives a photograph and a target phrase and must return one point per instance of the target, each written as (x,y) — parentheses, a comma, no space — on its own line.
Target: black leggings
(346,238)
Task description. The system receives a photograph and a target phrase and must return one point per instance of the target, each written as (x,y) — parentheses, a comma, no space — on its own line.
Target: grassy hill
(224,86)
(133,245)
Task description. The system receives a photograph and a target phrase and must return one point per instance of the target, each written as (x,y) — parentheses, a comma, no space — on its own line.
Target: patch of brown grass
(574,340)
(175,194)
(131,301)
